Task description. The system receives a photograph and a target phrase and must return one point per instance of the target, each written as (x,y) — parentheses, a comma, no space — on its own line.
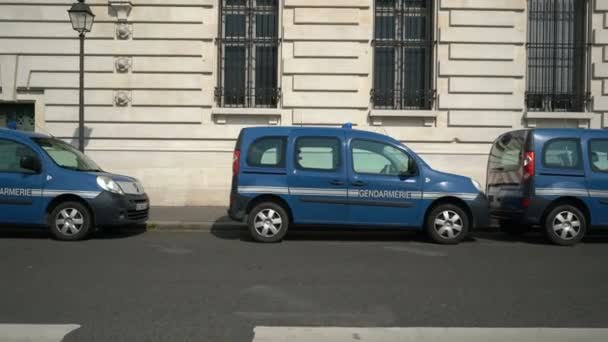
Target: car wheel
(565,225)
(70,221)
(268,222)
(514,228)
(447,224)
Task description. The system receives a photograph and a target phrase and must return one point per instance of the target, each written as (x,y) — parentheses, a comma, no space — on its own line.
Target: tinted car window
(11,153)
(598,152)
(562,153)
(507,151)
(378,158)
(267,152)
(318,153)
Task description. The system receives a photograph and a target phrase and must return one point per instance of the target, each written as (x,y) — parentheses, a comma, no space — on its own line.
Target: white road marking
(35,332)
(336,334)
(417,251)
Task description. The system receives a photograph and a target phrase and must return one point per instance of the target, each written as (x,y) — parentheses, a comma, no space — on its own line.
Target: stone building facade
(153,68)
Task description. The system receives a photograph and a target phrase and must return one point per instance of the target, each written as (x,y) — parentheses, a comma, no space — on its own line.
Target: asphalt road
(218,286)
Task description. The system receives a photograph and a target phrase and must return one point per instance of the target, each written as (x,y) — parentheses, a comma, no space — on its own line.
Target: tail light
(525,202)
(236,160)
(528,169)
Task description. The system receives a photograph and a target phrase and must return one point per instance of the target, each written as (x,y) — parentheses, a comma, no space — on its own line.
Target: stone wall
(151,69)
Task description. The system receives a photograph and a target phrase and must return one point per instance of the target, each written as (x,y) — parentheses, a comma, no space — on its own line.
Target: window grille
(248,54)
(403,52)
(556,56)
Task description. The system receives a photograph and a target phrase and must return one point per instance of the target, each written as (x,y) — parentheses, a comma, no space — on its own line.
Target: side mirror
(31,164)
(411,168)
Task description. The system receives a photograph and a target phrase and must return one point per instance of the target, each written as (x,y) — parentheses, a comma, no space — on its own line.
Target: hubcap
(566,225)
(69,221)
(267,222)
(448,224)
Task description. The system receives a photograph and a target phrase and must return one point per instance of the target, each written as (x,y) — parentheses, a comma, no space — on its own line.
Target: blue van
(342,176)
(45,181)
(555,178)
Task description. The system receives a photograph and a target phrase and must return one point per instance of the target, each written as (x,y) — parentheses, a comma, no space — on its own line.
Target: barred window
(403,52)
(556,56)
(248,54)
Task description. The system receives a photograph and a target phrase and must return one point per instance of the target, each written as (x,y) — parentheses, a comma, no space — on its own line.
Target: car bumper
(238,207)
(117,210)
(480,209)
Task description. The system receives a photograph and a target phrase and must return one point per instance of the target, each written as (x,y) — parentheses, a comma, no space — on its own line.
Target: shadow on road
(42,233)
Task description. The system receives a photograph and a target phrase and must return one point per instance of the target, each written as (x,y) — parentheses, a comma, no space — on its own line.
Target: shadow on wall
(87,135)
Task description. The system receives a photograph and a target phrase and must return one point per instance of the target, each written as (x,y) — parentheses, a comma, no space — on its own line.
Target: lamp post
(82,18)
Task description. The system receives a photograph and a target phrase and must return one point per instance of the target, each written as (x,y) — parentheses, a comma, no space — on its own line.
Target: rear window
(322,154)
(598,150)
(267,152)
(562,154)
(506,154)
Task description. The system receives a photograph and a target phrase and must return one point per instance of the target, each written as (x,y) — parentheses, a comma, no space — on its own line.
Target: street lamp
(82,19)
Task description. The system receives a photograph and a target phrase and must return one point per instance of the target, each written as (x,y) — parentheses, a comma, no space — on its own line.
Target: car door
(20,190)
(597,178)
(384,183)
(317,177)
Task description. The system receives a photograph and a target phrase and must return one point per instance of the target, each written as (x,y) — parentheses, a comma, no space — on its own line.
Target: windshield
(65,155)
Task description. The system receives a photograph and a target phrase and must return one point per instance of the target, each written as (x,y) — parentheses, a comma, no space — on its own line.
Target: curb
(192,225)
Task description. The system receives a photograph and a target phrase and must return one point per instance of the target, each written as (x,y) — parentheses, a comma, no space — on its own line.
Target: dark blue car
(45,181)
(341,176)
(555,178)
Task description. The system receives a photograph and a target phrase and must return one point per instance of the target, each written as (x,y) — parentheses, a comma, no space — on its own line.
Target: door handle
(358,183)
(336,182)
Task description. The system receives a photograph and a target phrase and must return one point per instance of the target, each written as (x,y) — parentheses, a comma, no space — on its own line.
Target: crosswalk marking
(344,334)
(35,332)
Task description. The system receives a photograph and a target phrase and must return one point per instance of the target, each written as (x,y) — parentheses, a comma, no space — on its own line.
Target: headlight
(108,184)
(476,185)
(140,186)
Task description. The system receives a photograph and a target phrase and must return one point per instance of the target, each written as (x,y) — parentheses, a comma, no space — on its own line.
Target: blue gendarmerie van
(342,176)
(45,181)
(555,178)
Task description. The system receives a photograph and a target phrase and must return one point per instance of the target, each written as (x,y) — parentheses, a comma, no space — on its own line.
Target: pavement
(201,218)
(340,285)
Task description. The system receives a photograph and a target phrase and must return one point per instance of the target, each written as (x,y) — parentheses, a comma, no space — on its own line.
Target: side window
(598,154)
(267,152)
(562,154)
(379,158)
(321,154)
(11,153)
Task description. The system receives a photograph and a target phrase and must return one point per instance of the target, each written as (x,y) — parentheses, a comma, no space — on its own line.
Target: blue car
(346,177)
(47,182)
(555,178)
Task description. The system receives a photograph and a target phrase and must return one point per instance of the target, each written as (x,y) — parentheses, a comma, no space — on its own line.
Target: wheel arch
(270,198)
(68,198)
(571,200)
(450,200)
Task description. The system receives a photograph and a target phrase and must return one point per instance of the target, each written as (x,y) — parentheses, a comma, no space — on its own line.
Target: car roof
(21,134)
(286,130)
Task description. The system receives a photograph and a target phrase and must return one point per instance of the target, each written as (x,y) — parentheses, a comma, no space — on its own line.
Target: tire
(565,225)
(268,222)
(514,228)
(70,221)
(447,224)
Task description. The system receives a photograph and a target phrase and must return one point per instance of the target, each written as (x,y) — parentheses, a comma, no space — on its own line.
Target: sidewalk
(203,218)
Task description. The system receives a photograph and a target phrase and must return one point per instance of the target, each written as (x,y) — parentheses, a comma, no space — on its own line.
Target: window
(598,154)
(11,153)
(267,152)
(562,154)
(403,48)
(248,54)
(17,116)
(66,156)
(321,154)
(507,152)
(379,159)
(556,56)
